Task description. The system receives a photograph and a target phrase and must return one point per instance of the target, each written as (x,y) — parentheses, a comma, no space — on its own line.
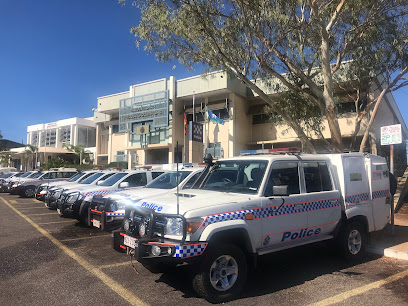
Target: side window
(156,174)
(317,177)
(68,174)
(52,175)
(138,179)
(46,176)
(191,181)
(285,174)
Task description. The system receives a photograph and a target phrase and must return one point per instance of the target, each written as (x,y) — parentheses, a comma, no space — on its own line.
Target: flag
(185,124)
(214,118)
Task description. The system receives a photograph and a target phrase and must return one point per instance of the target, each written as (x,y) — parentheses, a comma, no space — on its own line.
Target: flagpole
(193,105)
(184,133)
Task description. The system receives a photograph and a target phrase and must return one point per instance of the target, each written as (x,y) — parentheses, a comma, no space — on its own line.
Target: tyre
(29,192)
(353,241)
(82,216)
(222,274)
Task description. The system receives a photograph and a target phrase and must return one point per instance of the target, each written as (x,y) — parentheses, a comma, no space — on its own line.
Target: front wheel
(222,274)
(353,241)
(29,192)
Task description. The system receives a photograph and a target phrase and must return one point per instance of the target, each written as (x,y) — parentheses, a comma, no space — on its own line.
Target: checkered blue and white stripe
(115,213)
(353,199)
(381,194)
(266,212)
(184,251)
(92,193)
(235,215)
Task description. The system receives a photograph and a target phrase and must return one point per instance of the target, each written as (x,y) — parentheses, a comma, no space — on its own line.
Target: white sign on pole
(391,134)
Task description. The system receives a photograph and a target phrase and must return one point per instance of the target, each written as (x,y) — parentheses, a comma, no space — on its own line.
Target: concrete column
(110,157)
(71,137)
(231,129)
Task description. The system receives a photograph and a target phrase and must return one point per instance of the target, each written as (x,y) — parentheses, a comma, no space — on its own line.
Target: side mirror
(280,190)
(100,182)
(124,185)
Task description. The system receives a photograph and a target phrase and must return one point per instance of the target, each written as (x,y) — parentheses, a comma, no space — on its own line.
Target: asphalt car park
(49,260)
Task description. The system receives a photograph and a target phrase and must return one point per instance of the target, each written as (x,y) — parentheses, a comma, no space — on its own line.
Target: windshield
(236,176)
(92,178)
(113,179)
(168,180)
(37,175)
(6,175)
(19,174)
(76,176)
(26,174)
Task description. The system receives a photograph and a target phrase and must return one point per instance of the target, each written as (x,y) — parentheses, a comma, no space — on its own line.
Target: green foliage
(83,156)
(304,46)
(55,162)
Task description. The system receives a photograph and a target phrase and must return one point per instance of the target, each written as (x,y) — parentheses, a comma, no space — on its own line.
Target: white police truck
(254,205)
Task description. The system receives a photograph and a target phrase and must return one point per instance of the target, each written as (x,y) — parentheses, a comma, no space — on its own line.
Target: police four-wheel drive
(254,205)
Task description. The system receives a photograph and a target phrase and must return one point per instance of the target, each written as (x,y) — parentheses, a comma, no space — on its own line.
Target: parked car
(106,212)
(26,188)
(6,185)
(42,189)
(75,203)
(55,192)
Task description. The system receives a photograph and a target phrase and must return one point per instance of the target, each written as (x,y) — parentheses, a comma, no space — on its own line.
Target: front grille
(98,203)
(136,218)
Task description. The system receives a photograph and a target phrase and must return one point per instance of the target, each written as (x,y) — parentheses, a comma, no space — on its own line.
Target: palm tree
(5,160)
(28,155)
(78,150)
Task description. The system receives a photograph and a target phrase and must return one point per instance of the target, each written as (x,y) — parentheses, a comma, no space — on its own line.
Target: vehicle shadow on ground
(277,271)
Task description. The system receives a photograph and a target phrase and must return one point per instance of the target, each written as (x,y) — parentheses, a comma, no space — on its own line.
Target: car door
(323,200)
(283,214)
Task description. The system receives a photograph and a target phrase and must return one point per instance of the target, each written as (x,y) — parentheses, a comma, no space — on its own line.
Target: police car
(46,188)
(107,212)
(75,202)
(253,205)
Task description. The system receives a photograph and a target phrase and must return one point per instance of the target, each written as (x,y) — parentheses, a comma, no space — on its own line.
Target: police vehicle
(106,212)
(75,202)
(26,187)
(253,205)
(42,190)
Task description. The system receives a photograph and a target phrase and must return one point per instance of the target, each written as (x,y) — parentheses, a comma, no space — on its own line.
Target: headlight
(174,226)
(73,197)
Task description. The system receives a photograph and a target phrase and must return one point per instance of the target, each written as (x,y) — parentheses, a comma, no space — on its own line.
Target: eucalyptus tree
(305,47)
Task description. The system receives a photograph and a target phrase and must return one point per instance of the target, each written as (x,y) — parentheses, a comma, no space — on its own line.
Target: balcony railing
(121,158)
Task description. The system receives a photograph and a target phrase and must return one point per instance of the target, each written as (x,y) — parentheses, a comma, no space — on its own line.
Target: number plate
(96,223)
(59,211)
(130,242)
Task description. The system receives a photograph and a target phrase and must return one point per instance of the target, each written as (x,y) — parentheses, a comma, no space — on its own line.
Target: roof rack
(290,150)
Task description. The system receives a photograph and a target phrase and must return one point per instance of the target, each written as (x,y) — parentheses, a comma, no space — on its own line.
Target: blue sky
(57,57)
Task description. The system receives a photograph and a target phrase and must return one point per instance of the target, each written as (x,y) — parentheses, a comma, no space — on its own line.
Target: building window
(349,107)
(115,128)
(214,149)
(260,119)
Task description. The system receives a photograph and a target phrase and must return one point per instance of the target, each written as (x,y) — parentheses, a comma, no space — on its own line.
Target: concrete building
(143,125)
(50,138)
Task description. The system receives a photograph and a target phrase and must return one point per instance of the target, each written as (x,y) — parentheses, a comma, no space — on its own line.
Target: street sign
(391,134)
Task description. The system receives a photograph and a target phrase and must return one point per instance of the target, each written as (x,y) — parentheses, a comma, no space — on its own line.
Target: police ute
(252,205)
